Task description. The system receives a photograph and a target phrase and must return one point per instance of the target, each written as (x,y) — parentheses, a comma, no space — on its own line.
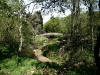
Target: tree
(97,48)
(75,24)
(97,53)
(32,26)
(90,22)
(8,28)
(19,11)
(99,7)
(89,4)
(52,25)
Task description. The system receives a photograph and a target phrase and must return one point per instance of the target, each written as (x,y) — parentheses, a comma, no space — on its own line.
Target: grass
(40,39)
(25,66)
(12,66)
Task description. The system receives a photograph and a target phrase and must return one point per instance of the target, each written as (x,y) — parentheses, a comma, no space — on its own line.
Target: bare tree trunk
(75,18)
(72,17)
(78,24)
(91,25)
(78,15)
(20,30)
(20,34)
(92,36)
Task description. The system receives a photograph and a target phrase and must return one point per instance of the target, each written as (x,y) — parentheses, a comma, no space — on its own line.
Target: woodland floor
(49,60)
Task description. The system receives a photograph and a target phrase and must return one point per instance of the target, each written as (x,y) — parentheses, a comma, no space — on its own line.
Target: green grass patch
(40,39)
(19,66)
(25,66)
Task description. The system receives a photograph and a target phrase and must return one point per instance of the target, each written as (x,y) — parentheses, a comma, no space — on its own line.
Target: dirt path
(50,34)
(40,57)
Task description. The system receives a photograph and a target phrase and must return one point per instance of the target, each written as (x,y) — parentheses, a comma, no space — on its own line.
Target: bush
(3,51)
(61,25)
(53,26)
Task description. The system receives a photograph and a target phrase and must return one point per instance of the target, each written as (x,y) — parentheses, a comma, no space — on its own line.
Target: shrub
(3,51)
(53,25)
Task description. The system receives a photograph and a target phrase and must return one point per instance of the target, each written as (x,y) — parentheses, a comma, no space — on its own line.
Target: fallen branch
(50,34)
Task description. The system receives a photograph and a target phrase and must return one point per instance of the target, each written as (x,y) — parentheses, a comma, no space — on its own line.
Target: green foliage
(27,34)
(8,30)
(52,46)
(3,51)
(11,66)
(14,66)
(36,21)
(10,22)
(53,26)
(32,24)
(40,39)
(64,24)
(83,70)
(61,25)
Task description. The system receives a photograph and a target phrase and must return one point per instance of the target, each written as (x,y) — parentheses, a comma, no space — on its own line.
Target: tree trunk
(20,34)
(99,8)
(20,30)
(91,25)
(72,17)
(97,53)
(75,26)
